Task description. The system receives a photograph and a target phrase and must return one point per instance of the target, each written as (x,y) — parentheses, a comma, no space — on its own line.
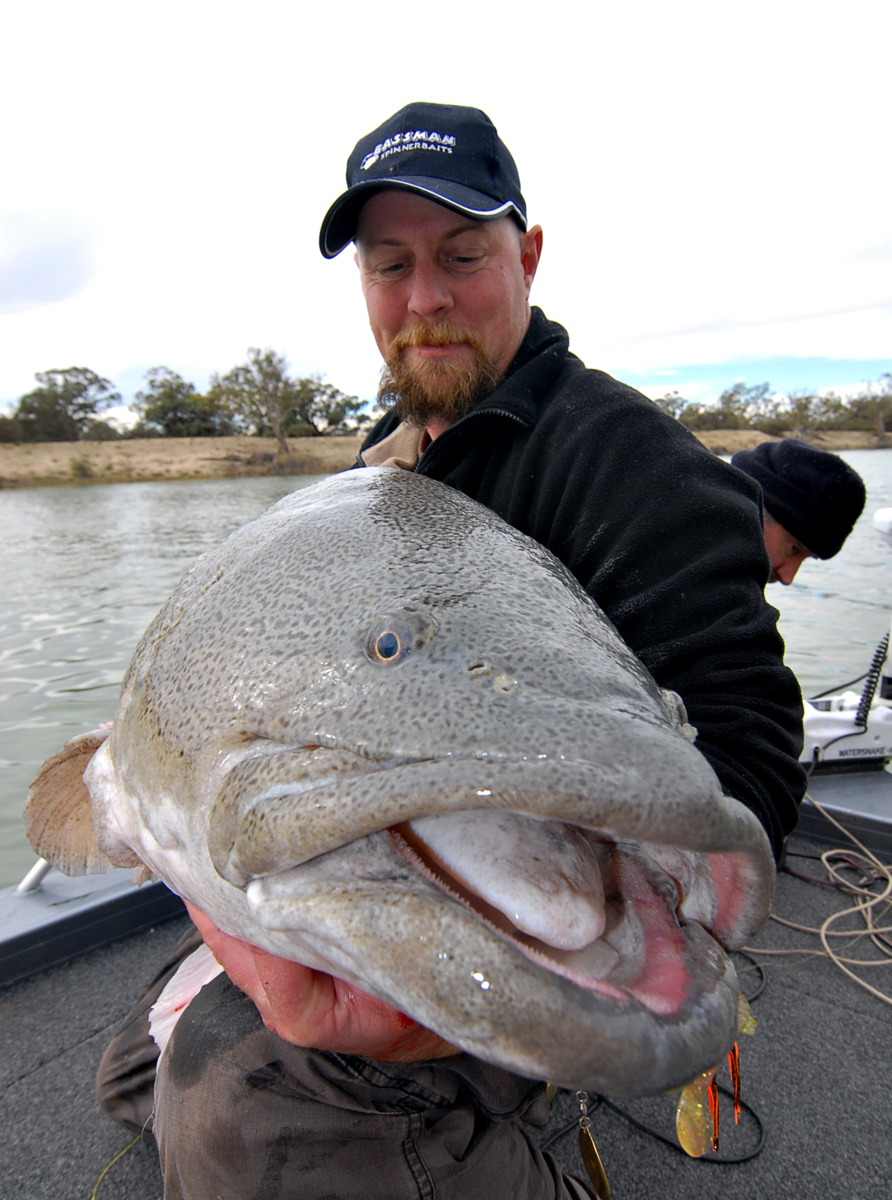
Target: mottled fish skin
(268,736)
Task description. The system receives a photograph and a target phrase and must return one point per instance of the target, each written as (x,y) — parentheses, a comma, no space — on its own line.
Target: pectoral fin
(58,815)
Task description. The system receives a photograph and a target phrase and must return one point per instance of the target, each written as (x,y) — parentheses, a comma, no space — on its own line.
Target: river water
(86,569)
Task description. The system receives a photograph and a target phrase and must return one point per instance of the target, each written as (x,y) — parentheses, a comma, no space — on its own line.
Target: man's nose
(786,572)
(430,295)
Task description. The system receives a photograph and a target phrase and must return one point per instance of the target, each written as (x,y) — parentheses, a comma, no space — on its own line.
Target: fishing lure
(697,1115)
(589,1151)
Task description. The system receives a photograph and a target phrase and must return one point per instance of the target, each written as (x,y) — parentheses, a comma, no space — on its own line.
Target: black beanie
(812,493)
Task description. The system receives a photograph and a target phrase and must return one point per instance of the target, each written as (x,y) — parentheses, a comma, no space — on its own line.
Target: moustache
(436,333)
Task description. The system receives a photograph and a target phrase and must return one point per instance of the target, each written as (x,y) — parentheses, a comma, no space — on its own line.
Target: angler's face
(787,553)
(422,264)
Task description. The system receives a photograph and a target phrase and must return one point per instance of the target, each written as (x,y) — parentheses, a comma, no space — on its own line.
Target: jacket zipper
(483,412)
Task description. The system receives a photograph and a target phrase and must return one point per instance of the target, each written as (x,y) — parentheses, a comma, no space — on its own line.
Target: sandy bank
(729,441)
(52,464)
(55,464)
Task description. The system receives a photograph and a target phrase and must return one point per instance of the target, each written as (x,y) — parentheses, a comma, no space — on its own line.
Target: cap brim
(339,226)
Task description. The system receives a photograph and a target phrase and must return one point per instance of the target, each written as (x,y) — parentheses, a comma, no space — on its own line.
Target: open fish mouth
(519,930)
(599,914)
(557,829)
(521,904)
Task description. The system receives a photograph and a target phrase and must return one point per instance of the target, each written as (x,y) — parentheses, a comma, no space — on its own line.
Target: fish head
(381,732)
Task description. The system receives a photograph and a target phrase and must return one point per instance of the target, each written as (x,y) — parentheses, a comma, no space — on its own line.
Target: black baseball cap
(812,493)
(445,152)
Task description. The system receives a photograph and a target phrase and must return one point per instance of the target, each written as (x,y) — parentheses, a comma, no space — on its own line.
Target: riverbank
(729,441)
(146,460)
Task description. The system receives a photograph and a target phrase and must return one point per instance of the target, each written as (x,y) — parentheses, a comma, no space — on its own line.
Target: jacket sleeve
(667,539)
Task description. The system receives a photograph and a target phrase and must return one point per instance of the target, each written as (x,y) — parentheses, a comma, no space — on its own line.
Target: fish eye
(389,644)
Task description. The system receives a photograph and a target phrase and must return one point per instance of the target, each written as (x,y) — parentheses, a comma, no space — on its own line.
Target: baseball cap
(447,153)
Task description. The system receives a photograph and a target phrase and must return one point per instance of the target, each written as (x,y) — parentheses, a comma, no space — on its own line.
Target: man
(811,501)
(487,397)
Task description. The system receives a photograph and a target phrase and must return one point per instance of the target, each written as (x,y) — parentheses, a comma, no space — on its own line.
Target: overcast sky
(713,180)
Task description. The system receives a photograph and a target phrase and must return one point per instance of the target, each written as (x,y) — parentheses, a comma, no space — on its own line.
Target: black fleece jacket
(662,534)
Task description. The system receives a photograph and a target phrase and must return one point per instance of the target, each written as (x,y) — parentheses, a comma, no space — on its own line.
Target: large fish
(382,733)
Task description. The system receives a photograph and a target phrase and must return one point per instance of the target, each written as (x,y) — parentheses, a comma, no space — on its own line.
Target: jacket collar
(534,368)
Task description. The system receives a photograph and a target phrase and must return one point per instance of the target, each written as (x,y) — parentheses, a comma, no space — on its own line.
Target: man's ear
(530,253)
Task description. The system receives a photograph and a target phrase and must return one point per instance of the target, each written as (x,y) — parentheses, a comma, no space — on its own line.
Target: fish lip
(269,814)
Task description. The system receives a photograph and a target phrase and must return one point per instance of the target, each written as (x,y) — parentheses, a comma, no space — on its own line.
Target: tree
(672,403)
(738,407)
(10,430)
(172,407)
(99,431)
(259,393)
(320,409)
(832,412)
(803,409)
(63,406)
(873,407)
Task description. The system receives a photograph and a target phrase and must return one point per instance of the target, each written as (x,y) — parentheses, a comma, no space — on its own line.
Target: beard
(436,391)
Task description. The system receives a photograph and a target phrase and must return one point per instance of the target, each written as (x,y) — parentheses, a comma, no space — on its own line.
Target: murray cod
(382,733)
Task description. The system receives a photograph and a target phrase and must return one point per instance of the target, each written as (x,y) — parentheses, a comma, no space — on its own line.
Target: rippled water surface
(86,569)
(835,612)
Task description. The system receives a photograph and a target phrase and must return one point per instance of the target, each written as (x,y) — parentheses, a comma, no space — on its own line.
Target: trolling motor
(853,730)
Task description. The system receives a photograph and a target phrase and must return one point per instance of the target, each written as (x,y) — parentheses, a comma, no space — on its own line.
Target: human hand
(310,1008)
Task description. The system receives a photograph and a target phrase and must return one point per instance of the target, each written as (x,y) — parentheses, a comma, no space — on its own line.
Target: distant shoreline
(152,460)
(729,441)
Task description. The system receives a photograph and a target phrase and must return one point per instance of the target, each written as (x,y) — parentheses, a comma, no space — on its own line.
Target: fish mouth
(619,990)
(282,806)
(583,924)
(593,952)
(279,810)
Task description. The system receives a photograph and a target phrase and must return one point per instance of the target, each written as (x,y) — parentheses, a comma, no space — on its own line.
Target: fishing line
(109,1166)
(836,687)
(759,969)
(706,1158)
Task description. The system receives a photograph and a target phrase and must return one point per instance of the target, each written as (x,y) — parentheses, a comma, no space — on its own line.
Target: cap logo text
(412,139)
